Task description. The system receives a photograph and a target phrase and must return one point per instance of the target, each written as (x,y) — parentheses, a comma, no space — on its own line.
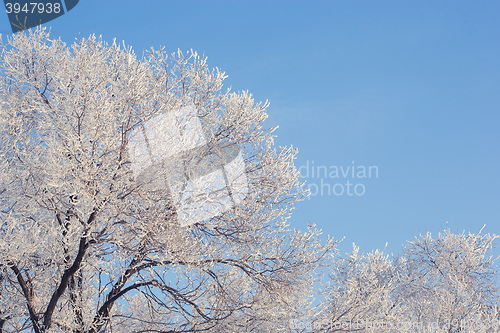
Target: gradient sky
(411,87)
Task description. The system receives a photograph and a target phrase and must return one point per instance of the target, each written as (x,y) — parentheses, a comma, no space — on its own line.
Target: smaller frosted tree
(443,284)
(449,282)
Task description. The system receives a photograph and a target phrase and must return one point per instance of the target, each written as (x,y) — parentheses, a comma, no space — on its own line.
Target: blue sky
(410,87)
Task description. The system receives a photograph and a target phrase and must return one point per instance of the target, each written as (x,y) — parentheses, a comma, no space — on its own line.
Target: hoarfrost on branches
(86,247)
(91,240)
(443,284)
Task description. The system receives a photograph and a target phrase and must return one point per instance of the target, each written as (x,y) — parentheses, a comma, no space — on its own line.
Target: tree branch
(3,320)
(27,294)
(126,290)
(114,294)
(68,273)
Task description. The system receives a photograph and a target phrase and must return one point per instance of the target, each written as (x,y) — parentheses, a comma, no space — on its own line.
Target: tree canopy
(85,247)
(139,195)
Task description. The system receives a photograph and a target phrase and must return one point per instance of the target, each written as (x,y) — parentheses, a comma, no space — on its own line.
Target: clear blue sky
(411,87)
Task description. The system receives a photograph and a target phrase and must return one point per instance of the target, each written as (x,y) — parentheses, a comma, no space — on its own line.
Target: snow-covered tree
(446,284)
(88,244)
(449,283)
(360,288)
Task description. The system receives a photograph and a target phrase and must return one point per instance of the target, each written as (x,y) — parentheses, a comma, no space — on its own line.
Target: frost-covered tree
(360,288)
(88,244)
(446,284)
(449,283)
